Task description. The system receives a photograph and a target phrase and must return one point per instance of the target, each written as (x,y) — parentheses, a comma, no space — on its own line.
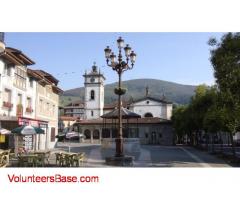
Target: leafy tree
(225,58)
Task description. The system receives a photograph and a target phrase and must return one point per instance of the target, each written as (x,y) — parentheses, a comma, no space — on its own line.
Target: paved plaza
(149,156)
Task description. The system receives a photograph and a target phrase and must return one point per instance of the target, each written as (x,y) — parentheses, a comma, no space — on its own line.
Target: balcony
(19,111)
(8,105)
(29,110)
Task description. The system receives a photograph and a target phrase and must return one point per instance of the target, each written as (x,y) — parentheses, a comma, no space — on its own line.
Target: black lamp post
(119,65)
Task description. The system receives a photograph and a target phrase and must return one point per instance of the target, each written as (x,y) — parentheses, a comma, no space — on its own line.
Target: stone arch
(148,114)
(96,134)
(87,134)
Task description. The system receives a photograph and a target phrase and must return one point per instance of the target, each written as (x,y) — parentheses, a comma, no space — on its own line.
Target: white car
(75,135)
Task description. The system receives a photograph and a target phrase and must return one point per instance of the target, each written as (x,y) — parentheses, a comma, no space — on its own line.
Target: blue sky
(175,57)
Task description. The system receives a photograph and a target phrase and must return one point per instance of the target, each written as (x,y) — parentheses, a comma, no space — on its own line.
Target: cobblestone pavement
(149,156)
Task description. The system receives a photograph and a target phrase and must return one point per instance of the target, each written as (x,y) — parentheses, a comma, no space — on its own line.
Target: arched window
(148,114)
(96,134)
(87,134)
(92,95)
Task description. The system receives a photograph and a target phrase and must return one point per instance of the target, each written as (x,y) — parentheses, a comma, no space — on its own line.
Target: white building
(94,93)
(22,94)
(17,90)
(152,107)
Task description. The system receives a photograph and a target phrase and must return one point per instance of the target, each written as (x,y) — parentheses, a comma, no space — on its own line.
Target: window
(52,134)
(7,95)
(91,113)
(87,134)
(7,69)
(53,109)
(31,82)
(19,99)
(41,105)
(96,134)
(92,95)
(48,107)
(29,102)
(20,77)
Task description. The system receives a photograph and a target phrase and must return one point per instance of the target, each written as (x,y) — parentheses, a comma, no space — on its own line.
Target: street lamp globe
(133,57)
(107,52)
(127,50)
(120,42)
(113,59)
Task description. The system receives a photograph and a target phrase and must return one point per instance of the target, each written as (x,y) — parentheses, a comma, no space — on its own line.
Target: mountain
(136,88)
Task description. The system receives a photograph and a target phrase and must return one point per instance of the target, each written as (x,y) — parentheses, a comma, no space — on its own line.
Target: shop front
(24,142)
(35,141)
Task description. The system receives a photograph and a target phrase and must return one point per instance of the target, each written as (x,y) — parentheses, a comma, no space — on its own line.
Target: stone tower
(94,93)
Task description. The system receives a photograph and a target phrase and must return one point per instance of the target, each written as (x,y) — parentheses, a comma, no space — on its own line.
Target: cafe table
(29,158)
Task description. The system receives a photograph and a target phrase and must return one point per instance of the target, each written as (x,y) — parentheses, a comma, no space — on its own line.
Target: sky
(175,57)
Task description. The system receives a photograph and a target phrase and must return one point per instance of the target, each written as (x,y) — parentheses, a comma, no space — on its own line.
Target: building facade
(20,92)
(47,98)
(74,109)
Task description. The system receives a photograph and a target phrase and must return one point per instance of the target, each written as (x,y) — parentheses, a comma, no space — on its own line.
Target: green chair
(78,159)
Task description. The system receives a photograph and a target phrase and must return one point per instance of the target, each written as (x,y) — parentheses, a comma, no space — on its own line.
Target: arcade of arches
(94,135)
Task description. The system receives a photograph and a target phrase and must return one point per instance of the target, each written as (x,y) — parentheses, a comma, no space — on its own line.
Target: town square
(114,112)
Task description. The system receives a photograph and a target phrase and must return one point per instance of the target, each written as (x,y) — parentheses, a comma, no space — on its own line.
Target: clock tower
(94,93)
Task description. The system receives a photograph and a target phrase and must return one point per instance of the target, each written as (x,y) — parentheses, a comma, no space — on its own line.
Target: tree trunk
(233,144)
(221,142)
(228,140)
(212,143)
(207,140)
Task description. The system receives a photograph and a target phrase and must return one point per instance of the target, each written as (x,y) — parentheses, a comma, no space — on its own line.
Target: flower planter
(7,104)
(120,91)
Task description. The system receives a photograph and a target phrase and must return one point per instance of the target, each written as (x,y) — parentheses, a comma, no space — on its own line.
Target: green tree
(225,58)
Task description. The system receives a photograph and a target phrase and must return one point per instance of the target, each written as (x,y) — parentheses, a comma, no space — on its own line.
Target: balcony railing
(8,105)
(29,110)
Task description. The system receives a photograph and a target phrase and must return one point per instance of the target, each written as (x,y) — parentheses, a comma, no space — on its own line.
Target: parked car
(74,135)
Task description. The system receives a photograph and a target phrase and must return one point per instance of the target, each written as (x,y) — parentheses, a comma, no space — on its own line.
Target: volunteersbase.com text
(56,178)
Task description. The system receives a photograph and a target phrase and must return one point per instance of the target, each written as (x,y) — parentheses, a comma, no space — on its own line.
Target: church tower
(94,93)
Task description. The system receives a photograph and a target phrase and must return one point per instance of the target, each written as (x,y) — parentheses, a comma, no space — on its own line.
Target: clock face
(92,80)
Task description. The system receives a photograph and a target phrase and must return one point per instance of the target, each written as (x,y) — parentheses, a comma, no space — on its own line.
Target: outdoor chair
(4,158)
(47,157)
(43,158)
(78,159)
(67,160)
(40,160)
(59,159)
(25,160)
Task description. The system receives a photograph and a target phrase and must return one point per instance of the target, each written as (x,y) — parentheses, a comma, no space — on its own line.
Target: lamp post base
(126,161)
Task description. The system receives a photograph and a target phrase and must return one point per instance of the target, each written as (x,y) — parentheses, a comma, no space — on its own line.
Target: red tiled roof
(67,118)
(150,120)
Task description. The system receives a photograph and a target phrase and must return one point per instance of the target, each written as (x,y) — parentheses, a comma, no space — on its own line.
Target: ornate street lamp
(120,65)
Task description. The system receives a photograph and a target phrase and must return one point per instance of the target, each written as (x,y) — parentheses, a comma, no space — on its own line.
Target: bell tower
(94,93)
